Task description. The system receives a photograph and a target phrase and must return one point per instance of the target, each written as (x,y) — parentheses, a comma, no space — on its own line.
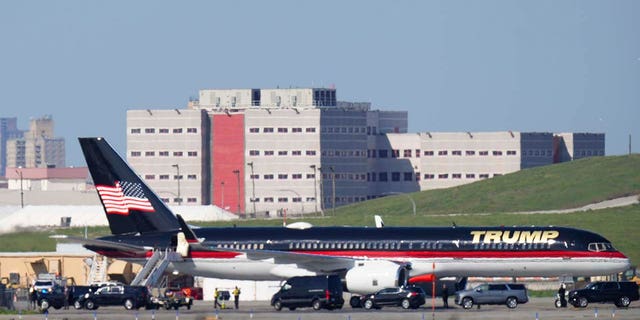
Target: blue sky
(454,65)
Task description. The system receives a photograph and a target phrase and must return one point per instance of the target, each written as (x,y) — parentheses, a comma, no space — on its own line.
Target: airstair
(98,272)
(153,270)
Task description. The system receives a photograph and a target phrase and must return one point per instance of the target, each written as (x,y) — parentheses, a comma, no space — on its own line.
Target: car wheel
(512,302)
(624,301)
(77,305)
(277,305)
(467,303)
(355,302)
(368,304)
(582,302)
(44,304)
(316,305)
(558,304)
(128,304)
(90,305)
(405,304)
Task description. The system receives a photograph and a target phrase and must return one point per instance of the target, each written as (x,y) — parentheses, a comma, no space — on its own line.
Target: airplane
(367,259)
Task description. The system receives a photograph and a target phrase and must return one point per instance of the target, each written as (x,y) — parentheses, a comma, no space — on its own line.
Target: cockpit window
(600,246)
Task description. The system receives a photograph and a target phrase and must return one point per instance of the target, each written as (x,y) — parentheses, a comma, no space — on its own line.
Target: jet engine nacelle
(369,276)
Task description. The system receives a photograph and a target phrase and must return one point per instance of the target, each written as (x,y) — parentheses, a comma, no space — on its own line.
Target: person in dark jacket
(445,295)
(561,292)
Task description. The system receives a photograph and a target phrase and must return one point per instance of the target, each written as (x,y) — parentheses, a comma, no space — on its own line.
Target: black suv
(315,291)
(52,297)
(406,297)
(131,297)
(620,293)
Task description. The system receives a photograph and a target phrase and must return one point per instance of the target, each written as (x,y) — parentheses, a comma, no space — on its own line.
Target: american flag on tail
(124,196)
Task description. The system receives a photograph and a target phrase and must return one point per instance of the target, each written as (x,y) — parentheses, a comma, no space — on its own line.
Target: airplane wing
(93,244)
(311,262)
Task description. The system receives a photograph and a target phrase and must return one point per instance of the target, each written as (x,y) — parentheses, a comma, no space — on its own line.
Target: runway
(537,308)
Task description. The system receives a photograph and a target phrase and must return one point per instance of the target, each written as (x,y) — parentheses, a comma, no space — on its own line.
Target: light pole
(321,191)
(237,173)
(253,189)
(333,187)
(413,203)
(178,177)
(21,189)
(315,188)
(299,197)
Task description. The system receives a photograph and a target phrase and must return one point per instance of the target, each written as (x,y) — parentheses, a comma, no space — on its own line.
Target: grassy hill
(487,202)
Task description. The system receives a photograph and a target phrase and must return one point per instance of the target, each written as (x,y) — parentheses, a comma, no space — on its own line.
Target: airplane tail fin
(130,205)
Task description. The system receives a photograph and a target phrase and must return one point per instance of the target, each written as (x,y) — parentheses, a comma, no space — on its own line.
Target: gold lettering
(530,236)
(548,235)
(476,236)
(492,236)
(510,239)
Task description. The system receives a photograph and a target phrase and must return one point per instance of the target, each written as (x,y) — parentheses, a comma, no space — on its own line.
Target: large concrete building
(8,130)
(271,151)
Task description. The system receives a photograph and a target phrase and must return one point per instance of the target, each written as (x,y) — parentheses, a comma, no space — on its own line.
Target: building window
(311,152)
(192,200)
(310,176)
(177,177)
(267,130)
(442,152)
(135,131)
(268,153)
(296,176)
(165,200)
(382,153)
(164,177)
(192,130)
(443,176)
(428,153)
(296,153)
(136,153)
(383,176)
(483,176)
(150,177)
(470,153)
(149,130)
(163,153)
(191,177)
(177,130)
(395,153)
(282,153)
(511,152)
(254,176)
(408,176)
(163,130)
(395,176)
(296,130)
(456,176)
(483,153)
(311,199)
(470,176)
(149,153)
(428,176)
(268,199)
(310,130)
(283,130)
(177,153)
(254,152)
(456,152)
(192,153)
(407,153)
(283,176)
(268,177)
(417,153)
(296,199)
(254,130)
(283,199)
(497,153)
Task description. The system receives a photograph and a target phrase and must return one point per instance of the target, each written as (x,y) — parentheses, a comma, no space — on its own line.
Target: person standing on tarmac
(561,292)
(236,296)
(216,296)
(445,295)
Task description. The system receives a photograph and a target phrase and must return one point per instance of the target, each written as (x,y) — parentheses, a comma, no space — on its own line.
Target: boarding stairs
(98,272)
(153,270)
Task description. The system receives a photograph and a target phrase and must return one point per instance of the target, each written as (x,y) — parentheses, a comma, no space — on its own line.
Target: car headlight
(86,295)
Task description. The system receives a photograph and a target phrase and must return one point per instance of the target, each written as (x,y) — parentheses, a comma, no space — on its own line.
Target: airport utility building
(265,152)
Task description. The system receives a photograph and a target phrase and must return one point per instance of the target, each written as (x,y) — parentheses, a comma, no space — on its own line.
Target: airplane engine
(372,275)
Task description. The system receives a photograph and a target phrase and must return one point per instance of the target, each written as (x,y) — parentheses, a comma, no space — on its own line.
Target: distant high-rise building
(37,148)
(8,130)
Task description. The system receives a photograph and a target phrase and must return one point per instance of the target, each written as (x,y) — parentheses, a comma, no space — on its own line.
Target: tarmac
(535,309)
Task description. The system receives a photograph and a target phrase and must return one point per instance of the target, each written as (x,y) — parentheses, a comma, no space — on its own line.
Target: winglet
(188,233)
